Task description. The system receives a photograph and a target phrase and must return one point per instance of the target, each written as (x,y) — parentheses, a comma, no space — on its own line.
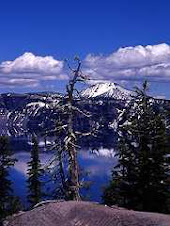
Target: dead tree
(66,146)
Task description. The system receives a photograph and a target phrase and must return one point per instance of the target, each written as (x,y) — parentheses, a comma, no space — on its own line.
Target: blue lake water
(99,165)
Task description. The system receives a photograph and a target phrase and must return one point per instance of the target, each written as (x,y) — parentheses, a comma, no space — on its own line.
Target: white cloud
(150,62)
(160,97)
(30,70)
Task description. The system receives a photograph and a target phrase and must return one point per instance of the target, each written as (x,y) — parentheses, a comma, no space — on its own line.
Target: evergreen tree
(140,180)
(7,204)
(34,173)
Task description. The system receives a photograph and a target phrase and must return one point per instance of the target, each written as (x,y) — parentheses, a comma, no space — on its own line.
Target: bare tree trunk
(73,162)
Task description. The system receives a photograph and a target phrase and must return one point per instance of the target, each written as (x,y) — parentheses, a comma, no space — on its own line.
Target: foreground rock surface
(85,214)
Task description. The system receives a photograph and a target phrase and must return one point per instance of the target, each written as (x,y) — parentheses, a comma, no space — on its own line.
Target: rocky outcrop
(85,214)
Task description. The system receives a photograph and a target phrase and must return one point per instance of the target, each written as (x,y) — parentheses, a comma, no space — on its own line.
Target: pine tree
(34,173)
(140,180)
(6,192)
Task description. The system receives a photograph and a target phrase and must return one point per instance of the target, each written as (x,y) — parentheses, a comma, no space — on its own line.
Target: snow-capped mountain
(36,111)
(107,90)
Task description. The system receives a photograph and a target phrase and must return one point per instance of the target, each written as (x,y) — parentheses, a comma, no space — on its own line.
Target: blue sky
(94,30)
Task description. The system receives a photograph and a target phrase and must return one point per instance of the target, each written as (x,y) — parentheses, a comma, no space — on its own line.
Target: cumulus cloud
(137,63)
(30,70)
(150,62)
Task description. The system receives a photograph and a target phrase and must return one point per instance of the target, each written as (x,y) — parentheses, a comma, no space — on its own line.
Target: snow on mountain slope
(107,90)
